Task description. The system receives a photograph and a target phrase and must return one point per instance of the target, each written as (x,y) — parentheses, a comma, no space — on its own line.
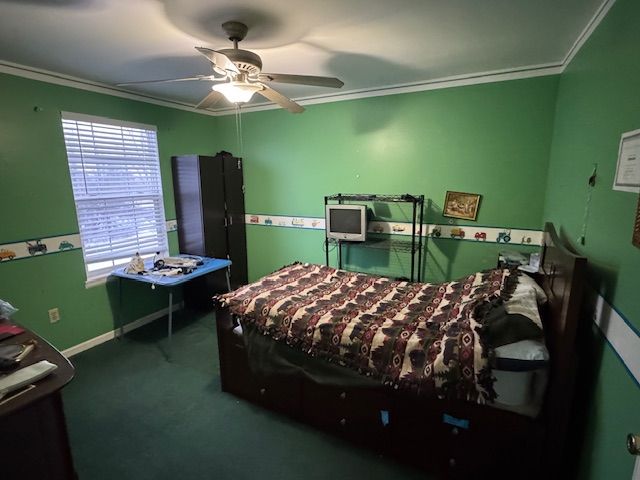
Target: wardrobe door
(214,220)
(236,235)
(186,187)
(213,207)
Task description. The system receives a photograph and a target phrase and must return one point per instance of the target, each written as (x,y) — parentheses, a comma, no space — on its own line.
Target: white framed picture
(627,177)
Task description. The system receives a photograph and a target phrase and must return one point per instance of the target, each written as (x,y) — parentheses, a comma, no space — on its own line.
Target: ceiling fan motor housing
(245,60)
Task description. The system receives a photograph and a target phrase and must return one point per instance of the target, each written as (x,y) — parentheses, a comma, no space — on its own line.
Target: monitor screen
(346,220)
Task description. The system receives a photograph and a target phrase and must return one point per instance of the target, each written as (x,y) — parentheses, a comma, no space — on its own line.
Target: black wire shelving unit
(413,245)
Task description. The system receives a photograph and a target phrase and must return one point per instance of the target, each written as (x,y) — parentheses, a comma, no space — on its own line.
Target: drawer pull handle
(455,431)
(452,462)
(343,395)
(343,421)
(263,391)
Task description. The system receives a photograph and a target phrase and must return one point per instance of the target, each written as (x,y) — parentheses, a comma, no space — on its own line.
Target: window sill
(97,280)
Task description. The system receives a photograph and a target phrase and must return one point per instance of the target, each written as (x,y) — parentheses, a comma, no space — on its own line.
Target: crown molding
(588,30)
(82,84)
(435,84)
(529,71)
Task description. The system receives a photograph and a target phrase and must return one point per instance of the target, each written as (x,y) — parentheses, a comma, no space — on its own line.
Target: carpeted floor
(134,415)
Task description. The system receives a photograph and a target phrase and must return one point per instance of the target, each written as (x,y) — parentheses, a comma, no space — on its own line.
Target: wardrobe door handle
(633,444)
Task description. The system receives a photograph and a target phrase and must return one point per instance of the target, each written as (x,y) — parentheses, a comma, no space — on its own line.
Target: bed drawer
(460,441)
(359,414)
(418,435)
(494,447)
(278,393)
(274,392)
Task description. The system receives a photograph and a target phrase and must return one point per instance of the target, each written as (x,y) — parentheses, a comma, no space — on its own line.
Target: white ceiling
(369,44)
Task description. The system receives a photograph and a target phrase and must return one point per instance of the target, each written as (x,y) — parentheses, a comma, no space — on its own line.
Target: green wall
(492,139)
(37,201)
(598,100)
(528,146)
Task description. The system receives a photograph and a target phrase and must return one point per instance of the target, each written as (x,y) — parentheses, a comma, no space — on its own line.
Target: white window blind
(115,174)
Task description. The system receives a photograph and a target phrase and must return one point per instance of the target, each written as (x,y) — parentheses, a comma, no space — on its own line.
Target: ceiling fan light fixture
(237,92)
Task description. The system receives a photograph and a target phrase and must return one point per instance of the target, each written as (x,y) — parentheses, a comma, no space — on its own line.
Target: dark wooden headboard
(563,280)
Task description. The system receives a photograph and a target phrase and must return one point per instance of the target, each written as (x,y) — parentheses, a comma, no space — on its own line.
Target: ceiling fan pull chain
(239,129)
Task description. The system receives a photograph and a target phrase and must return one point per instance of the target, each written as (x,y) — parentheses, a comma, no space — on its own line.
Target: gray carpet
(134,415)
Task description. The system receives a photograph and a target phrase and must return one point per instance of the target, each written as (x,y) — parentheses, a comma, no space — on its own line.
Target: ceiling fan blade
(301,79)
(218,59)
(169,80)
(210,100)
(281,100)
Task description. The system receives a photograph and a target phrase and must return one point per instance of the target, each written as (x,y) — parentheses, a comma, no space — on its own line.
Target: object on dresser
(511,259)
(12,355)
(8,354)
(534,263)
(9,330)
(25,376)
(6,309)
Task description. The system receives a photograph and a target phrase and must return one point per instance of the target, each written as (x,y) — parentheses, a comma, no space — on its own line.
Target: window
(115,175)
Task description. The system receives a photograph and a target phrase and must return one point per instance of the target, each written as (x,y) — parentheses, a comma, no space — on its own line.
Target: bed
(422,372)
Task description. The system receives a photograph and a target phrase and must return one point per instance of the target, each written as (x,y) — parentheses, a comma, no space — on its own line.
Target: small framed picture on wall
(461,205)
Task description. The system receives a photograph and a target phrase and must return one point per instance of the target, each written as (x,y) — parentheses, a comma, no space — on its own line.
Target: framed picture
(627,176)
(461,205)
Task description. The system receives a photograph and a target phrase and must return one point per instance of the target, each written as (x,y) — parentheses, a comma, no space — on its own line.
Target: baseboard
(105,337)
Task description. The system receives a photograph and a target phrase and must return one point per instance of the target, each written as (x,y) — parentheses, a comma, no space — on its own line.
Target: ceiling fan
(240,75)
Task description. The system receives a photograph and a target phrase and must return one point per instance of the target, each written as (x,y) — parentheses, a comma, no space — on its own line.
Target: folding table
(209,265)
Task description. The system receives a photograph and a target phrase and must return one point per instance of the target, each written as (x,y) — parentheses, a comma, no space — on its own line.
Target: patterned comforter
(417,336)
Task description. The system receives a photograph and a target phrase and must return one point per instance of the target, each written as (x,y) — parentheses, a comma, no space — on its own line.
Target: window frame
(96,274)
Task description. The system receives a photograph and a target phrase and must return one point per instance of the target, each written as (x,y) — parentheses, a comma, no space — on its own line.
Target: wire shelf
(349,197)
(385,244)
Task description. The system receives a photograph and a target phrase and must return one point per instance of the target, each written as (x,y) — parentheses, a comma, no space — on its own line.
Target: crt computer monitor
(346,222)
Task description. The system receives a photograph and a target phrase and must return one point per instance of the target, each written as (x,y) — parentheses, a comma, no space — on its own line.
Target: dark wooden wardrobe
(209,195)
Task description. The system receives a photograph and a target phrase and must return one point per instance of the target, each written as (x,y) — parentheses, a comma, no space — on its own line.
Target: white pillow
(525,282)
(525,300)
(530,350)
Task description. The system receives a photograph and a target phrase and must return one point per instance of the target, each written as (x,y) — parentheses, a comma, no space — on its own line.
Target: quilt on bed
(417,336)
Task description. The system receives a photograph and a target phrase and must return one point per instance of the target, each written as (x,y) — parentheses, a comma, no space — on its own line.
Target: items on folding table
(170,266)
(136,265)
(164,266)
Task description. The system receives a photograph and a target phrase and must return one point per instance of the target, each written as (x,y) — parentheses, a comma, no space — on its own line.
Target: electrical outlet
(54,315)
